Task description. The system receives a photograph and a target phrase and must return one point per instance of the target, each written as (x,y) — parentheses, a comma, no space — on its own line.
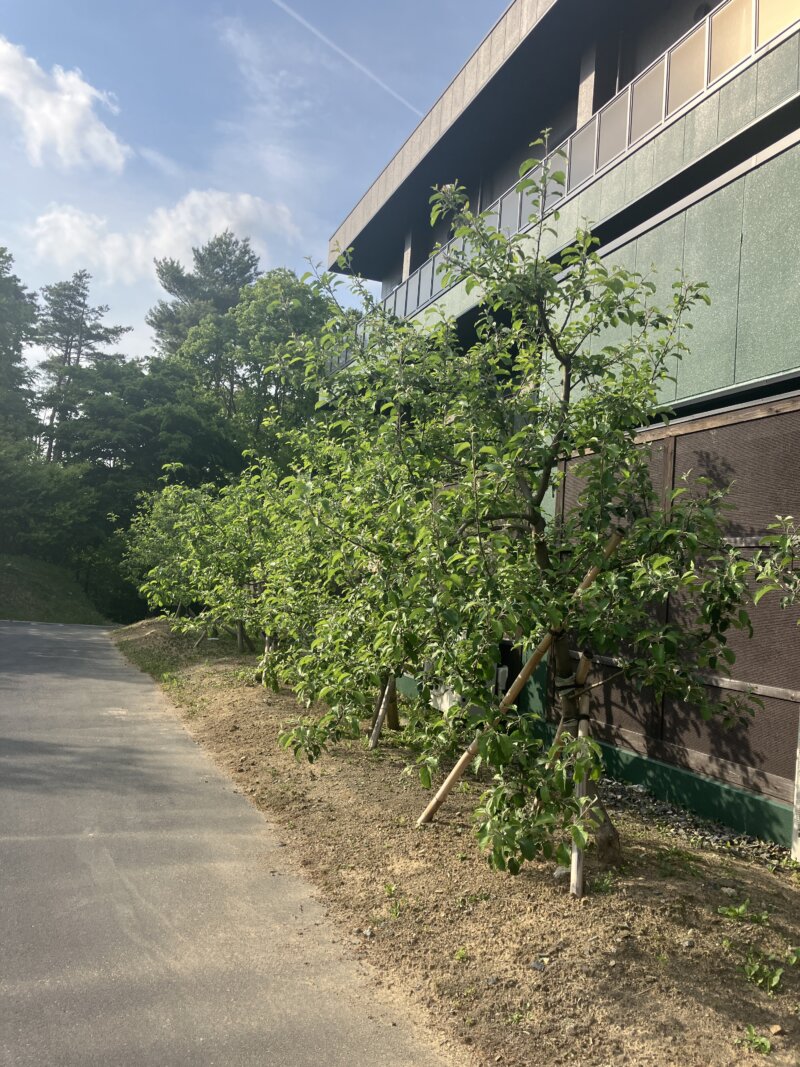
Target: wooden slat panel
(756,461)
(765,744)
(753,450)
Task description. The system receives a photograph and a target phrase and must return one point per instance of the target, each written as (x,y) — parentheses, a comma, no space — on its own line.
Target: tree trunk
(607,842)
(389,695)
(378,702)
(392,713)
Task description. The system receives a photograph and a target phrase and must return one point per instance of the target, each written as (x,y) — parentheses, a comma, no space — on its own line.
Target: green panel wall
(711,253)
(744,241)
(659,257)
(777,75)
(737,103)
(768,337)
(701,129)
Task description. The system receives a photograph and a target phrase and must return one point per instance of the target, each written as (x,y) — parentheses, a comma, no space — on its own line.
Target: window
(399,307)
(582,154)
(425,280)
(613,136)
(647,109)
(509,212)
(731,36)
(531,208)
(687,69)
(412,301)
(774,16)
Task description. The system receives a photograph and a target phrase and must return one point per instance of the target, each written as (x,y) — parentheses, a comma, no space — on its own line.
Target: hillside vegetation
(34,591)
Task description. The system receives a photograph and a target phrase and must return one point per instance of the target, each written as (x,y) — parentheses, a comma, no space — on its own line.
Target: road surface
(146,916)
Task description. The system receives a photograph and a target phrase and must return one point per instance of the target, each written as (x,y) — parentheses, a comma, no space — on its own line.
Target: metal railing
(730,35)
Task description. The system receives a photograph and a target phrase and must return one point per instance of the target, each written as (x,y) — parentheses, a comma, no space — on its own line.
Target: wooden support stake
(387,696)
(520,681)
(796,820)
(240,637)
(378,702)
(576,871)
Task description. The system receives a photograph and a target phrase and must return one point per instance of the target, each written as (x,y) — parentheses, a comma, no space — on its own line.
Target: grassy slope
(35,591)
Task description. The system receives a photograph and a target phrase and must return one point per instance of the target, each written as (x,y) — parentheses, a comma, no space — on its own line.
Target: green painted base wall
(746,812)
(743,811)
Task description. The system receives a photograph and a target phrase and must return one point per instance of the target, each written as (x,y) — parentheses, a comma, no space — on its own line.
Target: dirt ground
(643,971)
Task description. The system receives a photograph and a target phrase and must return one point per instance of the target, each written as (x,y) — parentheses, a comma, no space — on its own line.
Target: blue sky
(132,130)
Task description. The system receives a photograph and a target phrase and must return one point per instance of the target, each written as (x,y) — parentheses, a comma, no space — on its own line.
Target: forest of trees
(86,427)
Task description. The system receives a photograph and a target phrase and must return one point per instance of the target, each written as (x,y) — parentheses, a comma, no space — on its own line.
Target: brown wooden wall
(755,450)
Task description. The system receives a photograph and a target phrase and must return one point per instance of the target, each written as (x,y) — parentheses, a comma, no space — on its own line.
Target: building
(681,126)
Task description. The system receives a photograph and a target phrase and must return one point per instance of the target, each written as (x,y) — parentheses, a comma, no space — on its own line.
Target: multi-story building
(680,125)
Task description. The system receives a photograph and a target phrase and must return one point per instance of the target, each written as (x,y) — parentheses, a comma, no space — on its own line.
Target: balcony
(729,39)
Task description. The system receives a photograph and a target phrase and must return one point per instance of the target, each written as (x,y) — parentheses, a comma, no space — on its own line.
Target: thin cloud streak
(346,56)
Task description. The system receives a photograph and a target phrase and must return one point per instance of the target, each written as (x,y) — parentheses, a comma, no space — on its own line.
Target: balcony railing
(730,35)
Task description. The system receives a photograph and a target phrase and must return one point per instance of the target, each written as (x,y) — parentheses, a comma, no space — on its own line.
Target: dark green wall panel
(659,256)
(768,339)
(737,103)
(777,75)
(700,132)
(612,192)
(668,152)
(711,254)
(639,173)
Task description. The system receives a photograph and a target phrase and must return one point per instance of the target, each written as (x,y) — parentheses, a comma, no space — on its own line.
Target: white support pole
(796,821)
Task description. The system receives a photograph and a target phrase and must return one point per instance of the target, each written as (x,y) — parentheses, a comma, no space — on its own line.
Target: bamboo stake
(387,696)
(520,681)
(579,680)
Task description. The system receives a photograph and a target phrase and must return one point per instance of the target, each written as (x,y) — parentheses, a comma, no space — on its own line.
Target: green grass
(34,591)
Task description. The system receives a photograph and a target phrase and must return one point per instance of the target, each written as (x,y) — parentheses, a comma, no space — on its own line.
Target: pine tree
(221,268)
(73,334)
(17,328)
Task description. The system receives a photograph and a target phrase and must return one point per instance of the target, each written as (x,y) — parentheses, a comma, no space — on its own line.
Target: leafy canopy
(419,525)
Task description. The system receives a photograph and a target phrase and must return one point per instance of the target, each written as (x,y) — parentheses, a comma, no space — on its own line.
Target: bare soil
(644,970)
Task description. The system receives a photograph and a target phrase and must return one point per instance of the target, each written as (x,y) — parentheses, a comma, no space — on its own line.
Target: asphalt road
(146,916)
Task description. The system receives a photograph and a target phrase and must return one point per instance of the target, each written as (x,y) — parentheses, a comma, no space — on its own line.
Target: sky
(136,130)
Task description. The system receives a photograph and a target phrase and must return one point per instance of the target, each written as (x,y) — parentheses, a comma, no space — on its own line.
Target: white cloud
(274,74)
(57,113)
(167,166)
(69,237)
(286,82)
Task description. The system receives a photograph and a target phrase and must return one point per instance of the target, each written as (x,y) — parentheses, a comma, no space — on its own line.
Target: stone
(561,875)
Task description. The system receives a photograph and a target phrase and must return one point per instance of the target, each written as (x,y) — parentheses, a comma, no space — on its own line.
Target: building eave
(516,24)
